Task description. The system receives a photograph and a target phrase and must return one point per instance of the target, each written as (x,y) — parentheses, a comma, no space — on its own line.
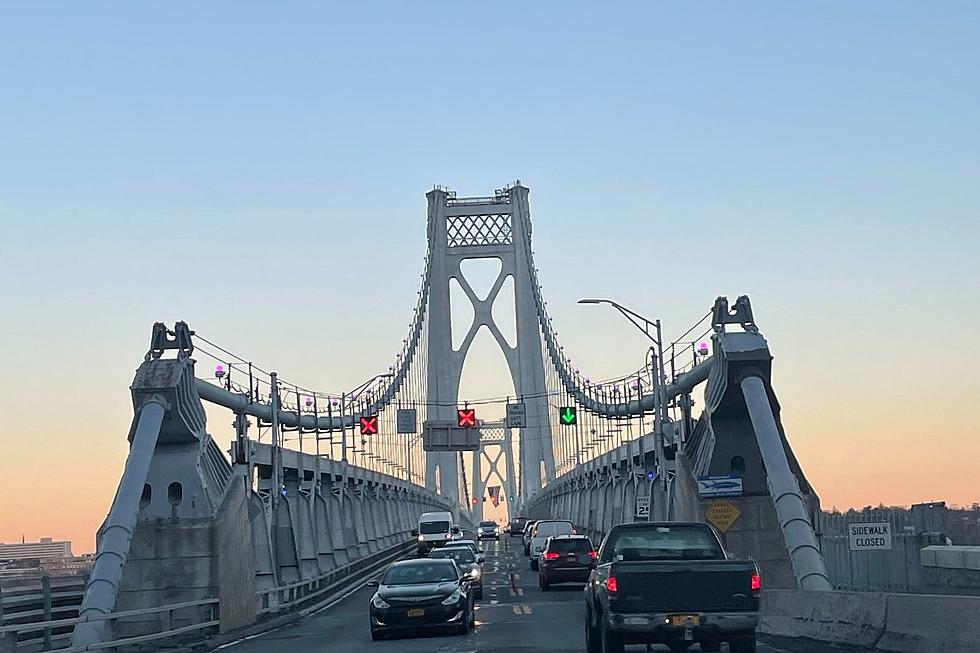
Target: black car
(467,562)
(566,559)
(517,526)
(422,594)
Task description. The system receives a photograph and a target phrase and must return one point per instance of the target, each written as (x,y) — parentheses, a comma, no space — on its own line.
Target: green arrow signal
(568,415)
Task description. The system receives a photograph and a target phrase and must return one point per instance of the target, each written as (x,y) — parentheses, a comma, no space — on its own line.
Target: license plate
(416,612)
(685,620)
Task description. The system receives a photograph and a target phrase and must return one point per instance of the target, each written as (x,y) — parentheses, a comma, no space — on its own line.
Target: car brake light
(593,555)
(612,585)
(551,555)
(756,582)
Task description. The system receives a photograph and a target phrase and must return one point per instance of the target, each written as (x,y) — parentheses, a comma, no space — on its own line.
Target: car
(487,530)
(421,594)
(670,583)
(544,529)
(526,536)
(467,561)
(516,526)
(566,559)
(469,544)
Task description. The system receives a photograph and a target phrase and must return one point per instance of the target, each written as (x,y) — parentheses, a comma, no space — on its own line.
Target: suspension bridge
(321,488)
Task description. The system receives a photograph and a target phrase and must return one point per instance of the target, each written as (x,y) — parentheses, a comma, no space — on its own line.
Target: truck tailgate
(684,586)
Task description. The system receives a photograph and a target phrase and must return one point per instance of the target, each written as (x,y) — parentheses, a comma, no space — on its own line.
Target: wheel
(543,583)
(744,644)
(478,594)
(534,564)
(592,643)
(377,635)
(712,646)
(612,642)
(679,646)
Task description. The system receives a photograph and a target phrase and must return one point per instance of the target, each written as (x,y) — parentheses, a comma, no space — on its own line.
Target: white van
(435,529)
(542,531)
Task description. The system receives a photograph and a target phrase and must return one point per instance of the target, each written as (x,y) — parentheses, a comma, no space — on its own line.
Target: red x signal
(466,418)
(369,425)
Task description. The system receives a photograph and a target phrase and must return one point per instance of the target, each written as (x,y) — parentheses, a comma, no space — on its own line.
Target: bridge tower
(478,228)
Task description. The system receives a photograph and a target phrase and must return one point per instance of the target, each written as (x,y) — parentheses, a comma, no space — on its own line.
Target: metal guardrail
(284,598)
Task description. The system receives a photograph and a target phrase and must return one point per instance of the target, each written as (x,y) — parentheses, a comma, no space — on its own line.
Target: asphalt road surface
(513,617)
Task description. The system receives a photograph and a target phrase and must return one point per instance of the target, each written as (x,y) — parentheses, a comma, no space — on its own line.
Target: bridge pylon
(497,227)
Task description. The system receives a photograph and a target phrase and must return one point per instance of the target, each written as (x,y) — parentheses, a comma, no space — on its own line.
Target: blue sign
(729,485)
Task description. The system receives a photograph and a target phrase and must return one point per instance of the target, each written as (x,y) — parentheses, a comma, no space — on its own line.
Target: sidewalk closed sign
(870,537)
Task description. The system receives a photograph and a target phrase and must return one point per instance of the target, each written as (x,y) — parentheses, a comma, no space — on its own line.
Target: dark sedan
(422,594)
(468,563)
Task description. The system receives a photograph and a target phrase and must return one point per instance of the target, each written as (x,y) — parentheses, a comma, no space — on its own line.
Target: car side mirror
(373,583)
(454,530)
(415,532)
(480,560)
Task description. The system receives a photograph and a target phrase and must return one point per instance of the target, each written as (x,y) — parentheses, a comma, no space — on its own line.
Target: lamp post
(661,495)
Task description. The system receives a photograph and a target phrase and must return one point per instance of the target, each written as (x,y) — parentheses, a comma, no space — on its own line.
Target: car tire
(534,564)
(745,644)
(712,645)
(377,635)
(544,584)
(478,594)
(592,643)
(679,647)
(612,642)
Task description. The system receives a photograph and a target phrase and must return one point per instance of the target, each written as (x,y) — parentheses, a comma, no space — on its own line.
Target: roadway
(513,617)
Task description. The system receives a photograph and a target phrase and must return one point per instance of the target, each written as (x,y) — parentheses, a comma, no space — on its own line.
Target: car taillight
(612,585)
(756,582)
(593,555)
(551,555)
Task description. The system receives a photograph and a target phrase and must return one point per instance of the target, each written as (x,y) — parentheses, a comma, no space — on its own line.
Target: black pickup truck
(670,583)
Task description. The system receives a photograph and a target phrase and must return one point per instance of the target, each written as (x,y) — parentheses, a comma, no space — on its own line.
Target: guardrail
(26,600)
(301,597)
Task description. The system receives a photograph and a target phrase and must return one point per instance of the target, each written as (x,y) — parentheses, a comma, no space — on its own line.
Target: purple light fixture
(219,370)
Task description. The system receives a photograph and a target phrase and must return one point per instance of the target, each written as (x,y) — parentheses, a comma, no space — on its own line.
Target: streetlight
(660,414)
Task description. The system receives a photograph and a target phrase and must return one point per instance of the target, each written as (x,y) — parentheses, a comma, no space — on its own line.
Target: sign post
(870,536)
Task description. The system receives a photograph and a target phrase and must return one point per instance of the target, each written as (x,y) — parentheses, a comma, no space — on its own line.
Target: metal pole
(343,430)
(660,497)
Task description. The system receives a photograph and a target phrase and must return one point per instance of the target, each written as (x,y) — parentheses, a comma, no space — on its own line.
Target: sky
(259,171)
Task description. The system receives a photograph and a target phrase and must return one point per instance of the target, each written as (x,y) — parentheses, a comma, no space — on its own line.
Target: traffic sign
(407,420)
(516,416)
(870,536)
(729,485)
(642,511)
(466,418)
(369,425)
(568,415)
(722,514)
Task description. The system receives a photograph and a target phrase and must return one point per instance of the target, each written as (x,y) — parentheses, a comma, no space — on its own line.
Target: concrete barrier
(927,623)
(856,618)
(898,623)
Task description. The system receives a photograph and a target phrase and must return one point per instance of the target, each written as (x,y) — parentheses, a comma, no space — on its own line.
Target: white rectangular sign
(642,506)
(720,486)
(407,420)
(516,416)
(870,536)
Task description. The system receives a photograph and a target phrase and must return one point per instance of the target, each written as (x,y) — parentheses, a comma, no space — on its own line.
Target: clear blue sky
(258,170)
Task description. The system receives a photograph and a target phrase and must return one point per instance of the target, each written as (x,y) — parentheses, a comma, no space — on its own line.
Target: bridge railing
(195,620)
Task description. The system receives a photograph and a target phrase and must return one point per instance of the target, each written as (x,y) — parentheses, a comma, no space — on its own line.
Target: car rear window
(687,542)
(570,546)
(549,528)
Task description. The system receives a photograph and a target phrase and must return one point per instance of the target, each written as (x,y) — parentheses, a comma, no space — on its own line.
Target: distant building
(46,548)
